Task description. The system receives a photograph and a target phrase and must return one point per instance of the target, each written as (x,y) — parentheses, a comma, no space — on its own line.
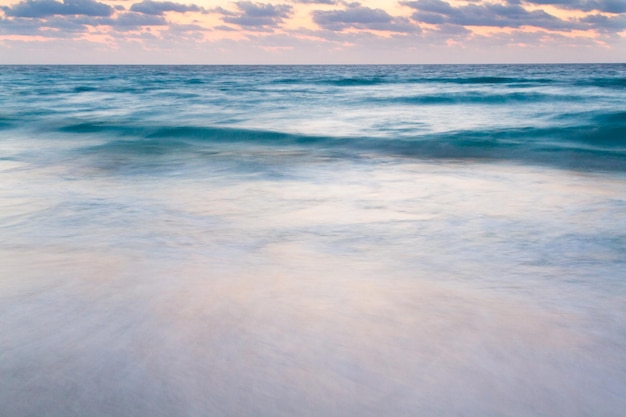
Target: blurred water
(280,241)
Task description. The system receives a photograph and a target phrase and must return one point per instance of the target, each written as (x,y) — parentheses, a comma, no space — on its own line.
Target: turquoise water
(306,241)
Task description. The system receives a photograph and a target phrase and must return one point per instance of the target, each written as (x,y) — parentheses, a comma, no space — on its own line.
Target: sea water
(313,240)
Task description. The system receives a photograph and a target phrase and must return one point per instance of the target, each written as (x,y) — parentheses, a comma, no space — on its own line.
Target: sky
(311,31)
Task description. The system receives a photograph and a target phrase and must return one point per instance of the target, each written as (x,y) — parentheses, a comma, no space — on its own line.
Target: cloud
(50,18)
(58,27)
(160,7)
(438,12)
(608,6)
(133,21)
(70,26)
(256,15)
(329,2)
(46,8)
(342,29)
(430,6)
(359,17)
(225,28)
(604,23)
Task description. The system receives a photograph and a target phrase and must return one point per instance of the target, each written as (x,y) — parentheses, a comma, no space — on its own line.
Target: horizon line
(311,65)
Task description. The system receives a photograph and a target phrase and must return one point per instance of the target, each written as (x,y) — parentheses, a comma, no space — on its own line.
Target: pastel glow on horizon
(311,31)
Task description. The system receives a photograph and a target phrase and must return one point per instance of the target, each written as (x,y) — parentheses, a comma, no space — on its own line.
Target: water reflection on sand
(393,288)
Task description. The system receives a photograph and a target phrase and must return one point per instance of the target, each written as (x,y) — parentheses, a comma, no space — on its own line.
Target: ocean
(415,240)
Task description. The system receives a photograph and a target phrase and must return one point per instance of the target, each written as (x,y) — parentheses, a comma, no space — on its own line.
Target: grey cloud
(609,6)
(225,28)
(124,21)
(55,27)
(256,15)
(329,2)
(68,26)
(359,17)
(453,30)
(187,29)
(434,6)
(159,7)
(46,8)
(488,14)
(224,12)
(132,21)
(431,18)
(18,26)
(606,24)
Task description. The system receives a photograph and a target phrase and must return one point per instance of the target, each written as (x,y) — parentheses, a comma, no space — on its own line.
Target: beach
(305,241)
